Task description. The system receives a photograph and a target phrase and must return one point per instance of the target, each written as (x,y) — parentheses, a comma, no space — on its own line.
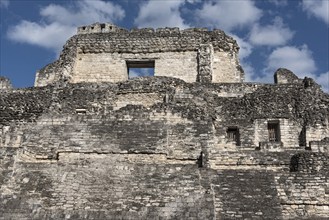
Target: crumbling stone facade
(5,83)
(102,52)
(162,147)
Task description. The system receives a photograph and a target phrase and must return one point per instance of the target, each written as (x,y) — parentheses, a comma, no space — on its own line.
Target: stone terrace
(157,148)
(191,142)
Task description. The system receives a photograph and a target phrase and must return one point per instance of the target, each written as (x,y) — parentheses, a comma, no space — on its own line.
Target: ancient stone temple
(190,141)
(105,53)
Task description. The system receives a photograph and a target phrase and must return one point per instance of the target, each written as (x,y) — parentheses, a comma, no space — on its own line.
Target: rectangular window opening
(81,111)
(273,131)
(233,135)
(140,68)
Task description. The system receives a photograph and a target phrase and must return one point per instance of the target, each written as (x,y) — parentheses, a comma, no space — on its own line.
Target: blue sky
(271,33)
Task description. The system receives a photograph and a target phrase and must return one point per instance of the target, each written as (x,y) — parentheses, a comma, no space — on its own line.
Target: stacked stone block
(100,52)
(4,84)
(161,147)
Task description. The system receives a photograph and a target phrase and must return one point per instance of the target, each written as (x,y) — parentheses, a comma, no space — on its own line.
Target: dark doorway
(233,135)
(273,131)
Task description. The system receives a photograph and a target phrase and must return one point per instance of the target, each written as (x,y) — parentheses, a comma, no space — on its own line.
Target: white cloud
(87,12)
(245,50)
(266,78)
(279,2)
(50,36)
(245,47)
(4,3)
(323,80)
(249,71)
(318,8)
(229,15)
(193,1)
(271,35)
(299,60)
(160,14)
(61,23)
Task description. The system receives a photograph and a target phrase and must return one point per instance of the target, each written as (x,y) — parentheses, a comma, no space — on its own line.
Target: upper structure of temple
(105,53)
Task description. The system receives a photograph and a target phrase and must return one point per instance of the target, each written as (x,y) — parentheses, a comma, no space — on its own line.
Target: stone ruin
(108,52)
(191,142)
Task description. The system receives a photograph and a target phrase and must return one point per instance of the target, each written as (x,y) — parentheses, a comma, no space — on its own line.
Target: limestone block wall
(24,104)
(11,136)
(144,99)
(239,190)
(226,68)
(250,158)
(290,132)
(61,69)
(99,68)
(285,76)
(302,194)
(246,134)
(98,53)
(304,191)
(320,146)
(252,133)
(5,83)
(106,67)
(181,65)
(150,147)
(68,188)
(128,133)
(233,89)
(100,186)
(316,133)
(99,28)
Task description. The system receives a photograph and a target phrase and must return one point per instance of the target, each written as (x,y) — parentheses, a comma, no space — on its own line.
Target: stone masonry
(5,83)
(89,143)
(104,51)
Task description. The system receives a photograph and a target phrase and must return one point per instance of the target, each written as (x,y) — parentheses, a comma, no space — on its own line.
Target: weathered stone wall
(99,54)
(226,68)
(24,105)
(320,145)
(301,195)
(250,113)
(4,83)
(139,186)
(181,65)
(285,76)
(158,146)
(60,70)
(106,67)
(205,61)
(306,187)
(144,99)
(246,194)
(100,28)
(289,130)
(317,132)
(128,131)
(100,186)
